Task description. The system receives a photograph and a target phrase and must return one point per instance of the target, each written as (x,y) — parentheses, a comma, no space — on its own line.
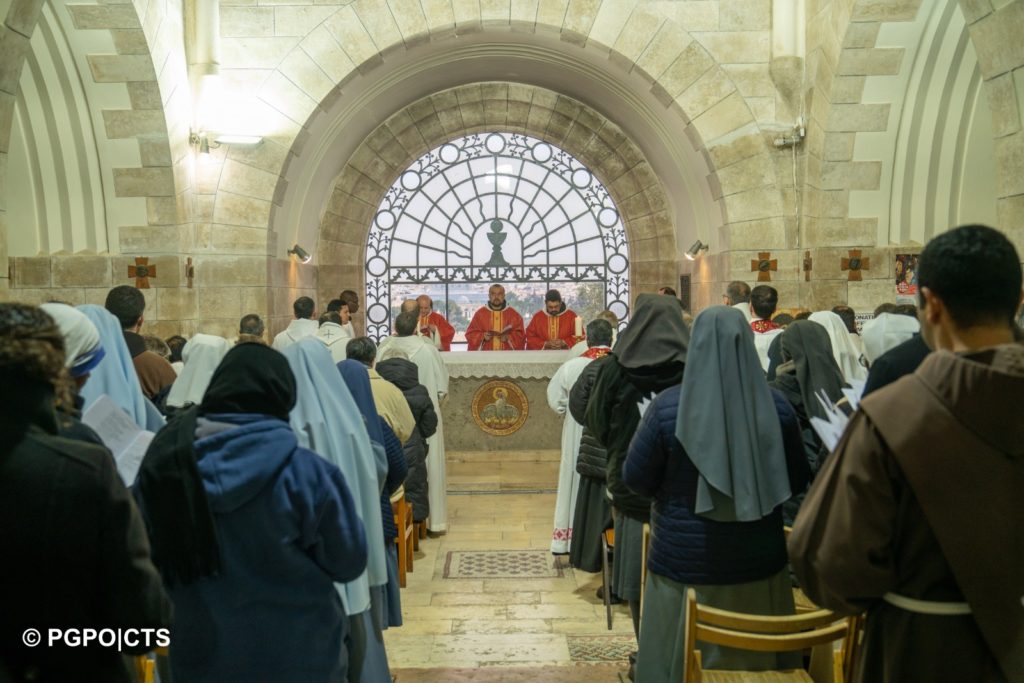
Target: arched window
(496,207)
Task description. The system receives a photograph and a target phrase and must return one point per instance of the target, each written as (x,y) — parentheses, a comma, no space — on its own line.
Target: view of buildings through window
(496,207)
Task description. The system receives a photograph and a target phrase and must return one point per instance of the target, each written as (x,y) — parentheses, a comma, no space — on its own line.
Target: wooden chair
(607,546)
(402,510)
(420,532)
(643,564)
(145,665)
(817,630)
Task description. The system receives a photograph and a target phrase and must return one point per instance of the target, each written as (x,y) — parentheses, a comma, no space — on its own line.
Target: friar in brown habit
(918,515)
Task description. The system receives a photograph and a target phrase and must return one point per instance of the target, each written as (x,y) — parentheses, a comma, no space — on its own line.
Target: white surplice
(434,376)
(572,431)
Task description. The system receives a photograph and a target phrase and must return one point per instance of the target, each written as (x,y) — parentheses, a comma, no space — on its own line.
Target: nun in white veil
(887,331)
(201,355)
(843,349)
(326,420)
(115,374)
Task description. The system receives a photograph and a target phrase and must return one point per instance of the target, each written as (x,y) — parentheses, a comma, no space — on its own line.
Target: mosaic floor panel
(600,648)
(501,564)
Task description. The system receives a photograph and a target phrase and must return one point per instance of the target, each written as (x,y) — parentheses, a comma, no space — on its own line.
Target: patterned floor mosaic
(600,648)
(501,564)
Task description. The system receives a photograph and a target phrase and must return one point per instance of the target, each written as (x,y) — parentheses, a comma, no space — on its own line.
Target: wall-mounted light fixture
(303,255)
(204,141)
(693,253)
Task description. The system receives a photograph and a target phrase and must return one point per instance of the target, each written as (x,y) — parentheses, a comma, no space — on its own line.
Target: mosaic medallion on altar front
(500,407)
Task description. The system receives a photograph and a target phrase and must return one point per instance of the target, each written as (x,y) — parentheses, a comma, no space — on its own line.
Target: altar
(497,400)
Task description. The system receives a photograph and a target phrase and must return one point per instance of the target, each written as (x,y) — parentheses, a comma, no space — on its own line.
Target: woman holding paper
(250,531)
(75,550)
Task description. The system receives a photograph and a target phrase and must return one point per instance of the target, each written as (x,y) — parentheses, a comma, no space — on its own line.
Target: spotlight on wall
(201,141)
(303,255)
(693,253)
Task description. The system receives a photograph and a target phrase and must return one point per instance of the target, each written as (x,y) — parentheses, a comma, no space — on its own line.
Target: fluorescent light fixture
(303,255)
(693,253)
(227,139)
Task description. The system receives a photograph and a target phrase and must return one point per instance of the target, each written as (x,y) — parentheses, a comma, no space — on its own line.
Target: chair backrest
(762,633)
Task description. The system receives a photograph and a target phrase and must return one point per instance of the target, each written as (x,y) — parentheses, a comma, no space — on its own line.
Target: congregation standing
(259,530)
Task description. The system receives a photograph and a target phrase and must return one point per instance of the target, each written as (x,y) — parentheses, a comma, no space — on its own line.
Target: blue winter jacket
(287,530)
(686,547)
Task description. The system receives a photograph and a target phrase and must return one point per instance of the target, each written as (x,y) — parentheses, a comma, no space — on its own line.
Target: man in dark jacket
(593,513)
(155,374)
(75,548)
(902,359)
(404,374)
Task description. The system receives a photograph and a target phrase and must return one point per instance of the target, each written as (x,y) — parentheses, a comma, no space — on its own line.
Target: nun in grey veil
(717,453)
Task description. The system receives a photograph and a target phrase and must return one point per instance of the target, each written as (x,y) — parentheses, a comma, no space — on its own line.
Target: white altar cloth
(515,364)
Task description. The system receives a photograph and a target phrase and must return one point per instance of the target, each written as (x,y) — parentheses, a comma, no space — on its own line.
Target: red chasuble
(496,321)
(444,330)
(546,327)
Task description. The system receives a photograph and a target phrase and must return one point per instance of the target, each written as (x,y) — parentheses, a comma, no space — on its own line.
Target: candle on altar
(579,326)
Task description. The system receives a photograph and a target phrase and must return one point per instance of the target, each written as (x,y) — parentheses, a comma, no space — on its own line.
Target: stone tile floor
(454,627)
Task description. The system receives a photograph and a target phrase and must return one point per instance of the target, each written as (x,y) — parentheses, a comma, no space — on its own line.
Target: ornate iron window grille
(495,207)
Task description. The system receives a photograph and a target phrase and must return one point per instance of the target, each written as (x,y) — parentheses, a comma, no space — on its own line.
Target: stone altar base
(541,431)
(507,471)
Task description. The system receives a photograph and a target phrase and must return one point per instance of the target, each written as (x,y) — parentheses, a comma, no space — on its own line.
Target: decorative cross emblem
(763,266)
(808,264)
(855,263)
(190,271)
(142,271)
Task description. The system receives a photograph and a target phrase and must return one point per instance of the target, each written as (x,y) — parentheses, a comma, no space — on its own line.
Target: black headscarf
(808,367)
(652,348)
(648,357)
(252,378)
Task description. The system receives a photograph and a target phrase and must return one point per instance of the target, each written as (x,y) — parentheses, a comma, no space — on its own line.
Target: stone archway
(699,133)
(431,121)
(153,221)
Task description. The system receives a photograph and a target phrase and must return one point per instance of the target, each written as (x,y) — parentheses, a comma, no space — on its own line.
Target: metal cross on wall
(854,264)
(763,266)
(808,265)
(142,271)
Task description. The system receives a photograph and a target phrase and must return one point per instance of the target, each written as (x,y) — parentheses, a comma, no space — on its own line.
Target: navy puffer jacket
(593,458)
(686,547)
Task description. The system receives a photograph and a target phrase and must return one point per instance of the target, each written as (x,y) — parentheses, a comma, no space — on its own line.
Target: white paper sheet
(125,439)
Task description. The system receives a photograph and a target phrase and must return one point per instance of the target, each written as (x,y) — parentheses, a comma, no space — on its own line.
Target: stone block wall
(708,63)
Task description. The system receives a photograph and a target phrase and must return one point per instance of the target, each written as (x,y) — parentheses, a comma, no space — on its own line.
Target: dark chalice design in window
(496,238)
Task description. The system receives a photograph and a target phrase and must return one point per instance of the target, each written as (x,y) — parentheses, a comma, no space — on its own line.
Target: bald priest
(496,326)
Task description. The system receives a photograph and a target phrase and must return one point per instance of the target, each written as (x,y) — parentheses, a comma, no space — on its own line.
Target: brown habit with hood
(924,497)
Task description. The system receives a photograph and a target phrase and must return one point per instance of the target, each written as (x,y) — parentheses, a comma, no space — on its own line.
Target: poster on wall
(906,278)
(862,319)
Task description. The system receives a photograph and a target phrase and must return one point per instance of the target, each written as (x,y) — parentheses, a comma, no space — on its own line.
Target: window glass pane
(496,206)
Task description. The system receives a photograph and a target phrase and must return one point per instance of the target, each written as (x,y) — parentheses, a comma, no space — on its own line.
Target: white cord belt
(946,609)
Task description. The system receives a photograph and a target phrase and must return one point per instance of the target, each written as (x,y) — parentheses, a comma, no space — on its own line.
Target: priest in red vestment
(433,326)
(554,327)
(496,327)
